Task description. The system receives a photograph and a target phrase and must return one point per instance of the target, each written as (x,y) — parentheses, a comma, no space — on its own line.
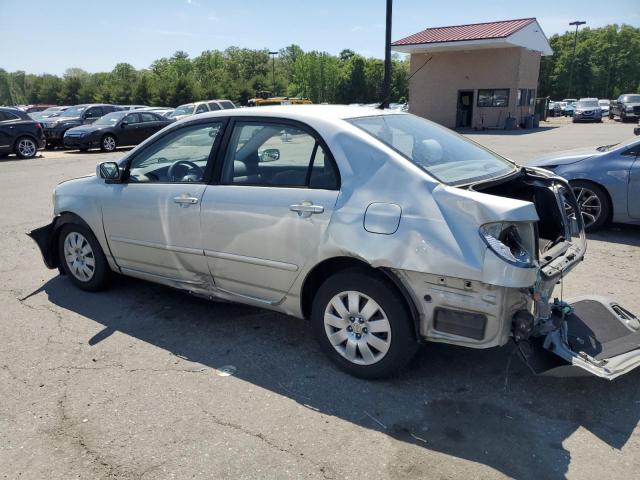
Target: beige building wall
(433,91)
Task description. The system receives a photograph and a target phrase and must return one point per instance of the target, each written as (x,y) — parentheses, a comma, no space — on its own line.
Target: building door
(465,108)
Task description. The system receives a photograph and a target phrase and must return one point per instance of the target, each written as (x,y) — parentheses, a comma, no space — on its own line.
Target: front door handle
(185,200)
(306,209)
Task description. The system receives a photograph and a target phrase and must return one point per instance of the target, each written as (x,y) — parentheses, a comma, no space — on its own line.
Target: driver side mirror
(270,155)
(110,171)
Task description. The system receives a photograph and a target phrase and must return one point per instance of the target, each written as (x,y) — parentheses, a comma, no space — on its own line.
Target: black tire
(83,149)
(106,144)
(623,117)
(101,271)
(403,343)
(611,116)
(25,147)
(605,203)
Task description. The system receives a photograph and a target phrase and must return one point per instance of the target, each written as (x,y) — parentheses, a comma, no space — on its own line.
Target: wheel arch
(604,188)
(23,135)
(330,266)
(63,219)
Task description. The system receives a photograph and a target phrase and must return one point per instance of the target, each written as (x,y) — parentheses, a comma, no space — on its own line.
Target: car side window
(213,106)
(132,118)
(94,112)
(323,172)
(180,156)
(201,108)
(149,117)
(272,154)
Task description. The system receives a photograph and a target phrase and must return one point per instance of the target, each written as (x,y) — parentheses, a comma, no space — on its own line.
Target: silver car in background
(378,227)
(587,110)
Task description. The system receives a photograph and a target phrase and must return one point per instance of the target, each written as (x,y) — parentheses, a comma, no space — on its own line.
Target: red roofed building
(475,75)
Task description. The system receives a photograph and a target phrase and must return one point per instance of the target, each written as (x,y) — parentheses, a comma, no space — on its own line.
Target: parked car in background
(626,106)
(39,107)
(19,133)
(637,129)
(604,105)
(128,127)
(132,107)
(49,112)
(299,216)
(569,106)
(55,127)
(195,108)
(587,110)
(605,180)
(162,111)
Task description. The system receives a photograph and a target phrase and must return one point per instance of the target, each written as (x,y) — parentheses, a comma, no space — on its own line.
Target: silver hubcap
(357,327)
(79,256)
(26,147)
(589,205)
(109,143)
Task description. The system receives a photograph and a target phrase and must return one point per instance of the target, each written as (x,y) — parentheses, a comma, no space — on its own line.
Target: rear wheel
(593,202)
(82,258)
(108,143)
(25,147)
(363,324)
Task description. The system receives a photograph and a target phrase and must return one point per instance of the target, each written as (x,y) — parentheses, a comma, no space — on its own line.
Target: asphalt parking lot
(133,383)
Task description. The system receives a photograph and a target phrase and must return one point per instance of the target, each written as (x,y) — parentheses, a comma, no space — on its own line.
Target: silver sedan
(379,228)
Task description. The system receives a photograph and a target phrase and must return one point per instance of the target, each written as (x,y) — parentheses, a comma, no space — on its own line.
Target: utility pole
(273,71)
(577,23)
(386,85)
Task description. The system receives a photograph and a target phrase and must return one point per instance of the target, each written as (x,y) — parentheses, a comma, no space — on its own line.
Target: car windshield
(109,119)
(587,104)
(445,155)
(631,99)
(183,110)
(73,111)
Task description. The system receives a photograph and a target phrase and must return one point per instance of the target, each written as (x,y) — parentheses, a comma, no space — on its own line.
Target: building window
(498,97)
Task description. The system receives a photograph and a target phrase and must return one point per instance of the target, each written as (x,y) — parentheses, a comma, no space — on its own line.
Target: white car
(379,228)
(604,106)
(195,108)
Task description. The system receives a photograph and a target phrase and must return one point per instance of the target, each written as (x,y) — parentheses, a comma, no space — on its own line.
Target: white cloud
(213,18)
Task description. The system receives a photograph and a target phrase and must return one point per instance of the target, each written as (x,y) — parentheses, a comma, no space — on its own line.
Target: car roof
(304,112)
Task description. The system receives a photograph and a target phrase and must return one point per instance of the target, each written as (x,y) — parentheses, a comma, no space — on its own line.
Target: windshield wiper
(604,148)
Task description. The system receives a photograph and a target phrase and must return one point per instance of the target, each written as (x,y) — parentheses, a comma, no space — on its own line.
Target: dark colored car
(19,134)
(117,128)
(627,106)
(55,127)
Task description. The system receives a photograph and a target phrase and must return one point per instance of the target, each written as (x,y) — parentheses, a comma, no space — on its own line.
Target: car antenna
(385,102)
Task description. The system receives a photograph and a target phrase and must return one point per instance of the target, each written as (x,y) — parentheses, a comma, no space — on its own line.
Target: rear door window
(201,108)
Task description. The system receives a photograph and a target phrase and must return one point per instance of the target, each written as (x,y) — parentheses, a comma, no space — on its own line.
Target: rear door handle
(306,209)
(185,200)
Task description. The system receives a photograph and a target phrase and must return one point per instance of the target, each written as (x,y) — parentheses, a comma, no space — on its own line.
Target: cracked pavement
(126,384)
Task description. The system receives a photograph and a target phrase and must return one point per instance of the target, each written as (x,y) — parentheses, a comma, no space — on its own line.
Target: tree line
(607,63)
(235,73)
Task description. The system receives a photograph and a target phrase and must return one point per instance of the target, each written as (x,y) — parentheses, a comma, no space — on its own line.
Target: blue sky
(95,35)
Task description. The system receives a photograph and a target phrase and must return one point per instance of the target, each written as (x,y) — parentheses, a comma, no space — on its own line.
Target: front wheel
(82,258)
(593,202)
(25,147)
(362,323)
(108,143)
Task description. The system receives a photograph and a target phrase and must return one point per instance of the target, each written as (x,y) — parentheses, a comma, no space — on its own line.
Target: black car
(627,107)
(55,127)
(118,128)
(19,134)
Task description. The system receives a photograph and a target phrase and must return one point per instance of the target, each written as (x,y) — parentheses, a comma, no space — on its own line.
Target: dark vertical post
(386,86)
(273,71)
(577,23)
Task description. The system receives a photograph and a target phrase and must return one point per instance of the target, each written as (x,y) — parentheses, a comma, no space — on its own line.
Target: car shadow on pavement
(476,405)
(618,233)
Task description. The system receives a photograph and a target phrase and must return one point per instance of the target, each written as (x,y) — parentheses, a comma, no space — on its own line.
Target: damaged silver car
(380,228)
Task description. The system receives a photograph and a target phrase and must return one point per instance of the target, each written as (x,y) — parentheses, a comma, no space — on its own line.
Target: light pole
(273,71)
(386,84)
(577,23)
